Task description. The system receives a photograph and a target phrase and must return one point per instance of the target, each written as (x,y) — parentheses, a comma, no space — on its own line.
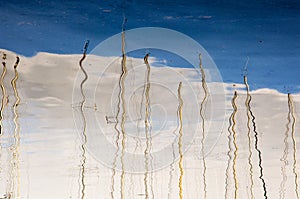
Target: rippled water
(132,133)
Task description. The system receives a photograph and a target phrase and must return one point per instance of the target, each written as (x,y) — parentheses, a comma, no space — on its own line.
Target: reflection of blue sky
(266,31)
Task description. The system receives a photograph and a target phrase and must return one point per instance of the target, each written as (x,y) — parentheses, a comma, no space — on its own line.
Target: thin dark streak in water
(230,135)
(112,189)
(116,141)
(16,154)
(179,112)
(138,143)
(3,95)
(147,128)
(261,176)
(84,136)
(141,106)
(202,108)
(123,119)
(235,109)
(4,98)
(147,96)
(120,100)
(173,162)
(285,154)
(291,106)
(247,103)
(4,102)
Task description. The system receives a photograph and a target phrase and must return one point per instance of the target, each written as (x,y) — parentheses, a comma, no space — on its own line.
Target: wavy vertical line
(235,152)
(202,108)
(147,127)
(4,98)
(116,141)
(230,135)
(3,101)
(261,176)
(291,105)
(138,143)
(116,125)
(148,118)
(112,189)
(179,112)
(247,104)
(172,169)
(16,153)
(119,133)
(123,118)
(138,140)
(117,137)
(285,154)
(84,136)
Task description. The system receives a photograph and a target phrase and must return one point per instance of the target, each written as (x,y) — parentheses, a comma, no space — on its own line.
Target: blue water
(265,31)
